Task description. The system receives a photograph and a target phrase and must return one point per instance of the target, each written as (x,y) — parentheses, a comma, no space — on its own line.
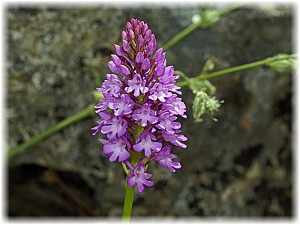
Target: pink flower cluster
(140,106)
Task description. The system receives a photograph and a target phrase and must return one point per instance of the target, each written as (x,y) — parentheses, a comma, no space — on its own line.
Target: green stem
(231,8)
(129,195)
(128,202)
(178,37)
(183,75)
(183,83)
(234,69)
(59,126)
(242,67)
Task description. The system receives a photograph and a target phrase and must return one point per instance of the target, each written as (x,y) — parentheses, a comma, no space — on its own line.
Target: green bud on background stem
(205,104)
(282,63)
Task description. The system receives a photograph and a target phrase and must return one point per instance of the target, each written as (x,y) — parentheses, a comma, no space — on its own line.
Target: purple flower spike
(139,178)
(140,106)
(164,158)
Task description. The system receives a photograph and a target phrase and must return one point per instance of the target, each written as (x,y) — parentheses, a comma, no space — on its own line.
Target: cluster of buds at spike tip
(140,106)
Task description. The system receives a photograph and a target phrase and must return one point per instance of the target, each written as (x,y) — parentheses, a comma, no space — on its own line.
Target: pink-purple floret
(140,94)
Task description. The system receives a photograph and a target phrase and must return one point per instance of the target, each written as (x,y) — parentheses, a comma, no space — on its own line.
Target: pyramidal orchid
(140,107)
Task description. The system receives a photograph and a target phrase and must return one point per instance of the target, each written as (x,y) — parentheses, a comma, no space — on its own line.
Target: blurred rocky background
(240,166)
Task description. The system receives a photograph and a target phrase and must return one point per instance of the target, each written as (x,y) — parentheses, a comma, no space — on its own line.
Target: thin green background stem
(181,35)
(178,37)
(242,67)
(59,126)
(234,69)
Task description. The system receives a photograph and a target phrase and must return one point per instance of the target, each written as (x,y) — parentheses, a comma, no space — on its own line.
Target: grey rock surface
(240,166)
